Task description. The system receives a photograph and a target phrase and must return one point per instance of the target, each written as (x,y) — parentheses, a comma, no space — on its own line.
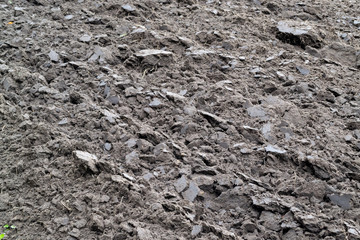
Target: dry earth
(166,119)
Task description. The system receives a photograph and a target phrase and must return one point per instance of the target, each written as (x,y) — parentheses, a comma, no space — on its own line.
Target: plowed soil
(164,119)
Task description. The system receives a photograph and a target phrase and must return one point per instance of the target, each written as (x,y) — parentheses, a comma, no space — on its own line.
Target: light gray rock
(191,193)
(53,56)
(180,184)
(87,159)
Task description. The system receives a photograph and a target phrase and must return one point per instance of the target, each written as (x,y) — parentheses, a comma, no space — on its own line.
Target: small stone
(128,8)
(180,184)
(348,138)
(152,52)
(104,199)
(342,201)
(131,156)
(97,223)
(190,110)
(113,100)
(110,115)
(80,223)
(53,56)
(156,102)
(302,70)
(274,149)
(47,90)
(75,233)
(245,151)
(298,33)
(281,76)
(357,134)
(196,230)
(63,121)
(191,193)
(107,146)
(128,177)
(62,221)
(212,118)
(4,68)
(249,226)
(131,142)
(68,17)
(118,179)
(270,220)
(87,159)
(256,112)
(148,176)
(144,234)
(85,38)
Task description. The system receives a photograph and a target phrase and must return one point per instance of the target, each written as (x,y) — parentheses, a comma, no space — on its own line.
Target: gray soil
(164,119)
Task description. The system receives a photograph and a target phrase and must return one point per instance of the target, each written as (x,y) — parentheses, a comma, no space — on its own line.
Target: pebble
(62,221)
(144,234)
(85,38)
(128,8)
(281,76)
(180,184)
(113,100)
(303,70)
(148,176)
(107,146)
(348,138)
(87,159)
(80,223)
(256,111)
(97,223)
(4,68)
(150,52)
(68,17)
(131,142)
(75,233)
(131,156)
(63,121)
(191,193)
(156,102)
(342,201)
(196,230)
(274,149)
(53,56)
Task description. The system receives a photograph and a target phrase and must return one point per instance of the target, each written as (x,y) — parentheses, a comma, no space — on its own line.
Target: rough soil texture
(166,119)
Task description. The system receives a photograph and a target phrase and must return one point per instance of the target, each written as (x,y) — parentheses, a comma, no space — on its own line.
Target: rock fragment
(62,221)
(196,230)
(128,8)
(256,112)
(63,121)
(212,118)
(75,233)
(154,57)
(342,201)
(85,38)
(144,234)
(274,149)
(297,33)
(303,70)
(270,220)
(107,146)
(180,184)
(97,223)
(156,102)
(54,57)
(191,193)
(87,160)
